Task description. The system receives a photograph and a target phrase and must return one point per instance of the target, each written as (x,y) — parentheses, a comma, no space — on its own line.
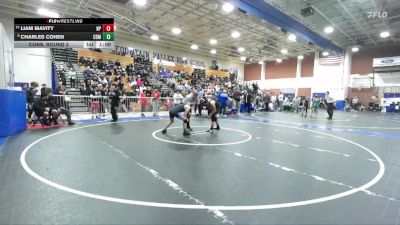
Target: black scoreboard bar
(18,21)
(63,36)
(67,32)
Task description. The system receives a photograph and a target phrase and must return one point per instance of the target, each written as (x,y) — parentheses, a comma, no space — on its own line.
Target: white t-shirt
(329,99)
(177,98)
(280,97)
(72,74)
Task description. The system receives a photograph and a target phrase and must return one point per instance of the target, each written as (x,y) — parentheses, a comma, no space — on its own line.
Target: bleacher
(60,59)
(85,53)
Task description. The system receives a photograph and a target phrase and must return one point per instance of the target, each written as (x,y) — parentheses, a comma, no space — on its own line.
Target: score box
(108,27)
(108,36)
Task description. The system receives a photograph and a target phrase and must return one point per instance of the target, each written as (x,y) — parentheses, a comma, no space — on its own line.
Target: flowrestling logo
(377,14)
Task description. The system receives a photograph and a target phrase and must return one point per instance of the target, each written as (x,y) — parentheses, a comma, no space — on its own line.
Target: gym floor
(267,168)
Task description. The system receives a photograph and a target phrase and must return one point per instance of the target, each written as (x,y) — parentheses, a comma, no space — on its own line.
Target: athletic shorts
(173,115)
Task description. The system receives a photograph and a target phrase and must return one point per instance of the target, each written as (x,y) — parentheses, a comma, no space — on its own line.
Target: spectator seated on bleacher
(87,72)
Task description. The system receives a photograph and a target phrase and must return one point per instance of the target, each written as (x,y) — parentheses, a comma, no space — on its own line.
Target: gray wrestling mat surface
(269,168)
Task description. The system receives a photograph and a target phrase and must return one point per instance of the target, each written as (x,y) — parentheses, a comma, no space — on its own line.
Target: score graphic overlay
(64,33)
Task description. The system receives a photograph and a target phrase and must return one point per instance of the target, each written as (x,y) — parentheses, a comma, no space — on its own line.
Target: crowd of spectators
(43,107)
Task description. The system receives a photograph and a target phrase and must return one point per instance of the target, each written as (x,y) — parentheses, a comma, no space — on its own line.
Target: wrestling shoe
(186,132)
(164,131)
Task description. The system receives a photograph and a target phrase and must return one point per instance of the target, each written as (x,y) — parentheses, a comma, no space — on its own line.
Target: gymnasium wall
(286,69)
(30,64)
(252,72)
(362,65)
(306,76)
(362,60)
(307,66)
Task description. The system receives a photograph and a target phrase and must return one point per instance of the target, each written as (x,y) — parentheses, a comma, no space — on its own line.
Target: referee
(329,105)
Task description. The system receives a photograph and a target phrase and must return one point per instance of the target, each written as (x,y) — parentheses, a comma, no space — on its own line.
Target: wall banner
(120,50)
(386,61)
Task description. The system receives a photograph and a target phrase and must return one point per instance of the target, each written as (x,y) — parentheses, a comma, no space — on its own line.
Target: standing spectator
(316,104)
(304,106)
(273,101)
(69,64)
(63,78)
(72,78)
(267,100)
(43,89)
(247,101)
(223,100)
(329,105)
(200,94)
(280,101)
(30,98)
(355,105)
(236,97)
(115,97)
(139,82)
(143,102)
(156,101)
(177,97)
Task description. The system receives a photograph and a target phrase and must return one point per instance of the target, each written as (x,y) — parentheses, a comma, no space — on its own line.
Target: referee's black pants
(330,110)
(114,112)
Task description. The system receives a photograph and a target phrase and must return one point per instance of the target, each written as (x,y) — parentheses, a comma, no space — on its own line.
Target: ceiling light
(300,57)
(213,51)
(278,60)
(325,53)
(194,47)
(48,0)
(213,41)
(140,2)
(47,13)
(355,49)
(240,49)
(154,37)
(328,29)
(235,34)
(292,37)
(176,31)
(227,7)
(284,51)
(243,58)
(384,34)
(260,62)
